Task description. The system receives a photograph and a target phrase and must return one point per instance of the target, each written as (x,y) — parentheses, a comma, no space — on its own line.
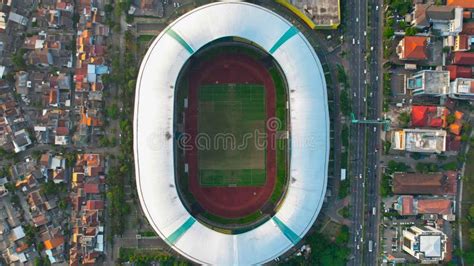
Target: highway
(356,27)
(365,72)
(374,143)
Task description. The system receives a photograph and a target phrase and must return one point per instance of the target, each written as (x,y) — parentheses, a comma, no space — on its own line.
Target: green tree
(451,118)
(18,59)
(388,32)
(404,119)
(411,31)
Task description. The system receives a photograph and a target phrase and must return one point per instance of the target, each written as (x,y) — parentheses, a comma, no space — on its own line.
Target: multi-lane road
(363,36)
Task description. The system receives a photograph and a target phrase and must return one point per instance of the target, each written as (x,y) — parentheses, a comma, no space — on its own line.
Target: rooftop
(425,184)
(413,48)
(430,245)
(461,3)
(428,116)
(435,82)
(420,140)
(325,13)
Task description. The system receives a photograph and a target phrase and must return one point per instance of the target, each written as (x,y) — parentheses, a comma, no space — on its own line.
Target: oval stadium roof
(154,135)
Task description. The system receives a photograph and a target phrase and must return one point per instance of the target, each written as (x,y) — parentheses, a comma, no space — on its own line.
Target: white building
(419,140)
(462,89)
(155,166)
(429,82)
(427,244)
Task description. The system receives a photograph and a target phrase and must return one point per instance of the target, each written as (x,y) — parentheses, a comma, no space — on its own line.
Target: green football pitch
(230,116)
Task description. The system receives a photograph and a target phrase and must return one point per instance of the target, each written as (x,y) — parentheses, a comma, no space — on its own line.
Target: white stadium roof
(154,134)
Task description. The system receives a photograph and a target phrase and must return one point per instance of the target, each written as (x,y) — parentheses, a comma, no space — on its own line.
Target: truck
(370,245)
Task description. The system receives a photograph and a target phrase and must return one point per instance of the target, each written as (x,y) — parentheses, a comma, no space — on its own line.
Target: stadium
(231,134)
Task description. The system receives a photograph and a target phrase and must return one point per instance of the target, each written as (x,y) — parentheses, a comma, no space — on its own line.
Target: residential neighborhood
(53,56)
(395,185)
(428,88)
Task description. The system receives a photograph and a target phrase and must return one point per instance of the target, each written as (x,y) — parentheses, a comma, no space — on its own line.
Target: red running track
(230,202)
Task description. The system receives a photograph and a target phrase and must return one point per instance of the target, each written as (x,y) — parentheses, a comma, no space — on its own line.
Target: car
(365,71)
(365,33)
(376,7)
(329,37)
(358,41)
(376,77)
(360,176)
(355,95)
(375,129)
(370,94)
(358,247)
(365,99)
(357,19)
(353,41)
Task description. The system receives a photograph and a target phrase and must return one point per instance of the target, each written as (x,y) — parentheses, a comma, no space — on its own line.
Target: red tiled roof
(91,188)
(426,116)
(459,72)
(464,41)
(414,47)
(438,206)
(62,131)
(466,14)
(468,28)
(424,184)
(53,243)
(407,205)
(461,3)
(463,58)
(95,205)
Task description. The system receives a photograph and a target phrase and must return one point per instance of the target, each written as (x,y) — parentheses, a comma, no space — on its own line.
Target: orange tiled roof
(414,47)
(461,3)
(439,206)
(53,243)
(455,128)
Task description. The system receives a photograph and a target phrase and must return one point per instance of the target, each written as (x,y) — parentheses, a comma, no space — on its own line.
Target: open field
(229,116)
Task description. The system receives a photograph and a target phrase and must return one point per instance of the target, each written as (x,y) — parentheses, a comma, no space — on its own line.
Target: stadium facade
(154,134)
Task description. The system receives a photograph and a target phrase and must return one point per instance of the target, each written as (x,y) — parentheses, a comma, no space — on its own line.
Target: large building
(429,82)
(325,14)
(440,184)
(419,140)
(427,244)
(462,89)
(165,112)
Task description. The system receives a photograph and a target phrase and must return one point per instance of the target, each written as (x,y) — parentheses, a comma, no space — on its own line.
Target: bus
(370,245)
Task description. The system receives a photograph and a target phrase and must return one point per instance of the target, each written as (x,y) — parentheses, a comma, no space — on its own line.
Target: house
(429,82)
(462,89)
(456,127)
(90,188)
(466,4)
(412,48)
(425,184)
(434,206)
(428,116)
(21,83)
(462,43)
(40,57)
(419,140)
(21,141)
(463,58)
(426,243)
(456,71)
(17,233)
(95,205)
(448,20)
(14,17)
